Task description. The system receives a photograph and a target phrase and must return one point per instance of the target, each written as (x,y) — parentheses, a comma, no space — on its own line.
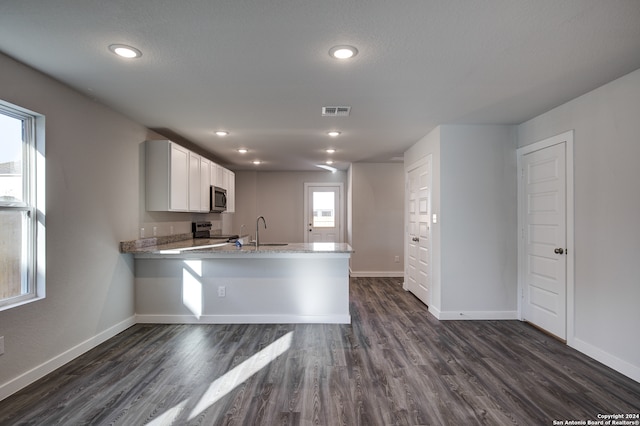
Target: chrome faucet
(257,233)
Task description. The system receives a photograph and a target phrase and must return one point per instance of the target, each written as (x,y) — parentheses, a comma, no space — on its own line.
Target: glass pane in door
(324,210)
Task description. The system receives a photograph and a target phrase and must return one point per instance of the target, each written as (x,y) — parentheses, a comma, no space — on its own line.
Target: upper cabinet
(205,183)
(195,190)
(178,180)
(226,179)
(166,176)
(231,191)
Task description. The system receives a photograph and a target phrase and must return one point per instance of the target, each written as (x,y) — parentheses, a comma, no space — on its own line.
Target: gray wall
(279,197)
(478,220)
(374,215)
(92,185)
(474,242)
(606,125)
(377,219)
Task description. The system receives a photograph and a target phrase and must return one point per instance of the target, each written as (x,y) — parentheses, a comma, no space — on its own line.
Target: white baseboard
(433,311)
(475,315)
(621,366)
(25,379)
(376,274)
(244,319)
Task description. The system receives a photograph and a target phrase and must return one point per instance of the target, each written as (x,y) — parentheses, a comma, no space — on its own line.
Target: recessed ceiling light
(329,162)
(243,150)
(333,133)
(222,133)
(125,51)
(330,151)
(343,52)
(257,162)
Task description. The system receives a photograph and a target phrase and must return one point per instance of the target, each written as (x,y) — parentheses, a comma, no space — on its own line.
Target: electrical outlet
(1,345)
(222,291)
(397,259)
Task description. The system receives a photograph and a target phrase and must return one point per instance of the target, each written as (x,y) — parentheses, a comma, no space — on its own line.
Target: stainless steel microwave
(218,200)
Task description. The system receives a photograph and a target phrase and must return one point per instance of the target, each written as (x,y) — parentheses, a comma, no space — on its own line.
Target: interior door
(543,177)
(419,232)
(323,213)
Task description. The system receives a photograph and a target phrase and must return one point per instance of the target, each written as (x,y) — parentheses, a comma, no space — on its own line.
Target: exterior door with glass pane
(323,213)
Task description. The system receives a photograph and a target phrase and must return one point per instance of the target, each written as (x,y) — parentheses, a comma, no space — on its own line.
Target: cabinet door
(221,177)
(194,182)
(231,191)
(214,174)
(179,178)
(205,182)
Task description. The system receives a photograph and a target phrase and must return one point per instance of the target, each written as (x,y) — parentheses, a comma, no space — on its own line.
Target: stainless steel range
(203,230)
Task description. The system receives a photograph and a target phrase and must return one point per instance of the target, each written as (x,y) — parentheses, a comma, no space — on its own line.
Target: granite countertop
(215,246)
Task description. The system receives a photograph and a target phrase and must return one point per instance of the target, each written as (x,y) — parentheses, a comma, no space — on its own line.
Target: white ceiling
(261,70)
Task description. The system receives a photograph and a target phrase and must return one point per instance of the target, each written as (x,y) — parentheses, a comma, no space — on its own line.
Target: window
(21,216)
(323,209)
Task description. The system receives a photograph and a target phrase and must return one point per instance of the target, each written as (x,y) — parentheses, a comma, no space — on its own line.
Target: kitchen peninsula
(215,282)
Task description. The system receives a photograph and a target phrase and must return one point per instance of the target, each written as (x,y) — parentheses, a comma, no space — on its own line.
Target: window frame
(32,203)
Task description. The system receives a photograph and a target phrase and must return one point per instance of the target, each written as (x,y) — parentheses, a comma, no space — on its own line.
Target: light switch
(434,218)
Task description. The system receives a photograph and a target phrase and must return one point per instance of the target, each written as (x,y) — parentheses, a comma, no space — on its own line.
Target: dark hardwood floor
(394,365)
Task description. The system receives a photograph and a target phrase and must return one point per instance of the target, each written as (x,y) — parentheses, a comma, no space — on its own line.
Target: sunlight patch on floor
(228,382)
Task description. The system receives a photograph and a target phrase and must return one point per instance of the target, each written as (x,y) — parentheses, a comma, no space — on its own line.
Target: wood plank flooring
(394,365)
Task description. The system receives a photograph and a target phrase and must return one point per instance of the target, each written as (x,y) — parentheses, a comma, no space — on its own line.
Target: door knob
(415,239)
(559,251)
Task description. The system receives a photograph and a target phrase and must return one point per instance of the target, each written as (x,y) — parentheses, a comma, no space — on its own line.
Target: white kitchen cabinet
(195,191)
(205,183)
(224,178)
(179,180)
(214,174)
(166,176)
(231,191)
(221,178)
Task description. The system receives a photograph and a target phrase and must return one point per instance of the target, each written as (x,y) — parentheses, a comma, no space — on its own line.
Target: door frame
(567,139)
(341,214)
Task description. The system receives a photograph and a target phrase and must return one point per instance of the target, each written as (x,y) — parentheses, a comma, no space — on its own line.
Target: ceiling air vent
(336,111)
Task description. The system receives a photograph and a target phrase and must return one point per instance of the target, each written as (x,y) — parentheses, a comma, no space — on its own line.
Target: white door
(323,213)
(544,234)
(419,232)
